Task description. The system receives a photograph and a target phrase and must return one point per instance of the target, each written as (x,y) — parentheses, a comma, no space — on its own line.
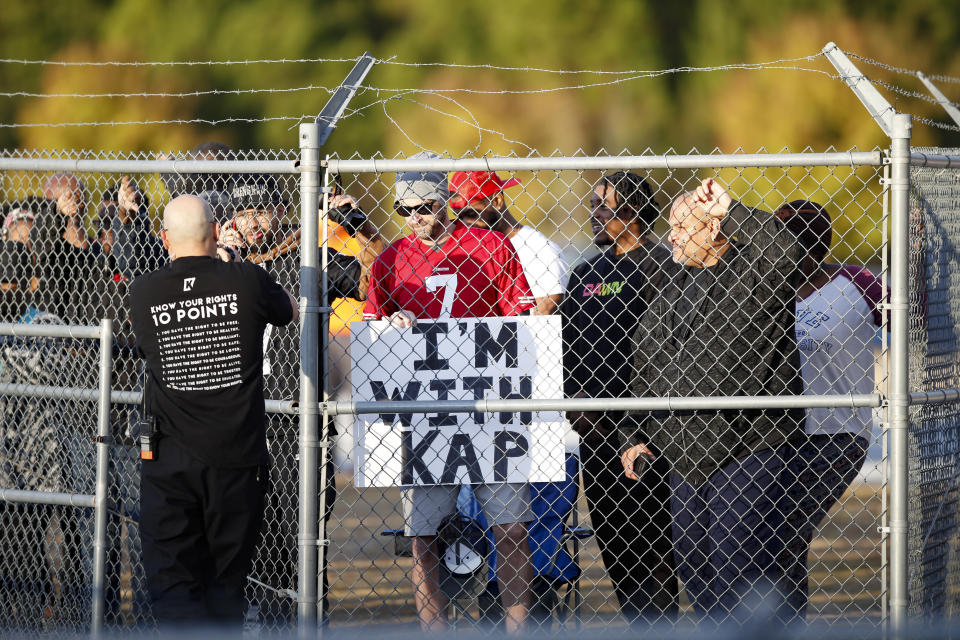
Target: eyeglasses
(425,208)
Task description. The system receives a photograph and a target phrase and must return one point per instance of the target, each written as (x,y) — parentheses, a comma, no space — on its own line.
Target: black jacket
(742,343)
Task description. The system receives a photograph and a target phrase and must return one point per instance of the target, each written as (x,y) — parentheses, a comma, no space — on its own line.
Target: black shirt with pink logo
(606,296)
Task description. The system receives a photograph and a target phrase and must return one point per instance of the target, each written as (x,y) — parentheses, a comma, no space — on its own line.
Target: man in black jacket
(724,327)
(606,297)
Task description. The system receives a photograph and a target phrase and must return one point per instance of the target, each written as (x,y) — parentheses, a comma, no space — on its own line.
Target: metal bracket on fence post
(333,110)
(948,106)
(102,504)
(874,102)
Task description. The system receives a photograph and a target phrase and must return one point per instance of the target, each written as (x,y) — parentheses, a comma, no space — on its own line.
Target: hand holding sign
(403,319)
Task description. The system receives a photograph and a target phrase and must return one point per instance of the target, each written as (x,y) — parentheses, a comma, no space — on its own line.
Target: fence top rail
(363,165)
(942,396)
(82,165)
(48,331)
(847,158)
(705,403)
(937,161)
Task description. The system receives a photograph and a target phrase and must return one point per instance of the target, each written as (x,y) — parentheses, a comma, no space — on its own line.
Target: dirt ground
(369,584)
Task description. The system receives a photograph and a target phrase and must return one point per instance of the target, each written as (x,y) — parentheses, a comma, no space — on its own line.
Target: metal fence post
(102,503)
(884,414)
(324,444)
(309,332)
(899,383)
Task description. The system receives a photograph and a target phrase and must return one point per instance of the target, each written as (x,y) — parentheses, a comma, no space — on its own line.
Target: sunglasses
(425,208)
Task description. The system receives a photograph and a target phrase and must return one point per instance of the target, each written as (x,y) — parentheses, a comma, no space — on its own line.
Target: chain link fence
(54,468)
(934,443)
(845,562)
(89,229)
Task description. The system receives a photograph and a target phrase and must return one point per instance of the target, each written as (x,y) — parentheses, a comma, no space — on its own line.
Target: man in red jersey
(444,268)
(448,269)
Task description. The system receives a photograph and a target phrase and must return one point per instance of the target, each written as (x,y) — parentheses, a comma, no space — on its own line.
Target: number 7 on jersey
(447,282)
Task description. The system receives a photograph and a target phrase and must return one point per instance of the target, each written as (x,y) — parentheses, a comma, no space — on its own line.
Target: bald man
(199,323)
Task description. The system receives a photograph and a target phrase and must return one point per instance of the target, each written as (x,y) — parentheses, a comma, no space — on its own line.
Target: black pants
(199,527)
(631,521)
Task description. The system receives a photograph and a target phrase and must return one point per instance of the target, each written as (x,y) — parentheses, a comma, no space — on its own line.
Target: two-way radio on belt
(149,436)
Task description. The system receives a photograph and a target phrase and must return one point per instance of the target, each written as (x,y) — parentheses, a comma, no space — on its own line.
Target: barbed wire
(591,85)
(938,125)
(397,91)
(169,63)
(634,72)
(888,67)
(942,78)
(331,90)
(404,94)
(906,92)
(380,61)
(161,94)
(213,122)
(631,76)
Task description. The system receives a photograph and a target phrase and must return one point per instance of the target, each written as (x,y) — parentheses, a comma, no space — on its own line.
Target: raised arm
(762,236)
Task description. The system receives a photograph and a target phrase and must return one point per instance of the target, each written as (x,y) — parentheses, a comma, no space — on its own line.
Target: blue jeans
(823,468)
(730,535)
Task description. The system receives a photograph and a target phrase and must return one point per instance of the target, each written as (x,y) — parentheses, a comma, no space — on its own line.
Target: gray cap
(422,185)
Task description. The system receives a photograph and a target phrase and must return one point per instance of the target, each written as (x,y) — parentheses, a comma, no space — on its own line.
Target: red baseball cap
(470,186)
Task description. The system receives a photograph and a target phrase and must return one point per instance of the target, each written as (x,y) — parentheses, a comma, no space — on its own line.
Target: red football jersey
(475,274)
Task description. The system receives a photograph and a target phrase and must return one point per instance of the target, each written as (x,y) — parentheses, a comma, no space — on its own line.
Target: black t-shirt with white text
(199,324)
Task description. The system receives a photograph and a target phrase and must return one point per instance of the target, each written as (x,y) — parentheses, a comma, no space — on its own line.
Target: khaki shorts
(424,508)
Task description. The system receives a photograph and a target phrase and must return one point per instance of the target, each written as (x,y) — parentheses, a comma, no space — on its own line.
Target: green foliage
(725,109)
(774,109)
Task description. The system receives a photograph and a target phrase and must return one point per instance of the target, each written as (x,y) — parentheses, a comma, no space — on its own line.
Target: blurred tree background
(728,110)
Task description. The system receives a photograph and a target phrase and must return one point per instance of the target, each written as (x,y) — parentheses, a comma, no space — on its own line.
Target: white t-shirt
(836,325)
(542,262)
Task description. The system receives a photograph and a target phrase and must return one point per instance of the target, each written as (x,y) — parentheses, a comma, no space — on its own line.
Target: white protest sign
(457,359)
